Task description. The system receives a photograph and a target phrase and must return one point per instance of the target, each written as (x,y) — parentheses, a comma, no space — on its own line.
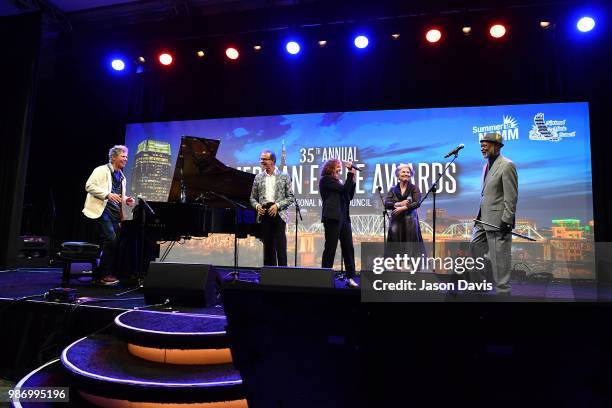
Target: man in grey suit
(499,194)
(270,196)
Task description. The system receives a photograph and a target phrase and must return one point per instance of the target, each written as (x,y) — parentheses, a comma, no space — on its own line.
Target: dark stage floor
(306,329)
(21,283)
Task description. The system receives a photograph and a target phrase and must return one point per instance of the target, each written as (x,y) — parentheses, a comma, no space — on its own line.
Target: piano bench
(77,252)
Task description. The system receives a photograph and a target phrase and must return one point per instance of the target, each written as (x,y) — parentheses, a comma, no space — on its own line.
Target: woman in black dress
(403,199)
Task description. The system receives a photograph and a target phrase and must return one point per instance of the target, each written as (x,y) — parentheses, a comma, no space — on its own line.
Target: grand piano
(205,197)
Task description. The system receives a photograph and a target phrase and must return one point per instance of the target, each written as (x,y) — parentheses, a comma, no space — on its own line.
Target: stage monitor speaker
(299,277)
(182,284)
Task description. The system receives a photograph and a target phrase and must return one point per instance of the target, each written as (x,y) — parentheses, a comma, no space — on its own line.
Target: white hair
(403,166)
(116,151)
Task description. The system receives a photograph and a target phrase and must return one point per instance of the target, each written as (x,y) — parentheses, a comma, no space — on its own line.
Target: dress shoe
(351,282)
(108,280)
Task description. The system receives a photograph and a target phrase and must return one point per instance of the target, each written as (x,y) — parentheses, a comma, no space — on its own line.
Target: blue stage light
(361,41)
(118,65)
(293,47)
(585,24)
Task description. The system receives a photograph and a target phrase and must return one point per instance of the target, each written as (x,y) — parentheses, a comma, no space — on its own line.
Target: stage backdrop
(548,142)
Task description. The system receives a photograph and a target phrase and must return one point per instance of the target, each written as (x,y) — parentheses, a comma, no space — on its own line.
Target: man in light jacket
(107,204)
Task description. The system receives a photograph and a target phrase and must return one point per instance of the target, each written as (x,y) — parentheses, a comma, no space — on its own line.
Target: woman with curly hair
(336,198)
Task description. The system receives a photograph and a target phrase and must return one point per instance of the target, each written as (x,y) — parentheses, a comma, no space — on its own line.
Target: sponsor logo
(549,130)
(508,129)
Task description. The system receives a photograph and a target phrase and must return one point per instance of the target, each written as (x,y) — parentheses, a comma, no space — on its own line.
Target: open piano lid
(203,173)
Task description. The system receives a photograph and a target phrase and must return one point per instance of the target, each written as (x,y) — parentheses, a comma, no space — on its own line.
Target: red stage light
(165,58)
(232,53)
(433,35)
(497,31)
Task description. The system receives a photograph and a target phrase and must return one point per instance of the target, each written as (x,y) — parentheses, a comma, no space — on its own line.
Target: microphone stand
(144,208)
(52,227)
(183,187)
(385,215)
(516,234)
(434,188)
(298,211)
(236,206)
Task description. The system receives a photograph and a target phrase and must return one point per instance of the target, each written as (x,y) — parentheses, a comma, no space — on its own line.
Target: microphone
(352,167)
(455,150)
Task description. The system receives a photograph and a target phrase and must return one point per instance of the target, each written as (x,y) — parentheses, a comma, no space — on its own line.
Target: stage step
(107,374)
(174,338)
(47,376)
(172,330)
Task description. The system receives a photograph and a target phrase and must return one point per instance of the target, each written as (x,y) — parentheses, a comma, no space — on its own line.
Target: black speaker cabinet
(181,283)
(32,252)
(299,277)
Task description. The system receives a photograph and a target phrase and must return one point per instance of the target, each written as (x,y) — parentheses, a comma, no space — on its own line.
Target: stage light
(118,65)
(433,35)
(545,24)
(322,43)
(395,36)
(140,64)
(165,59)
(585,24)
(200,54)
(257,48)
(361,41)
(467,30)
(292,47)
(497,31)
(232,53)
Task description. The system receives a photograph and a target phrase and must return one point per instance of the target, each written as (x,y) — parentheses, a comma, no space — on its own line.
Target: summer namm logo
(508,129)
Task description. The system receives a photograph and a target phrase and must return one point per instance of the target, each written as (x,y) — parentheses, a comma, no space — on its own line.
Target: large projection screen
(548,142)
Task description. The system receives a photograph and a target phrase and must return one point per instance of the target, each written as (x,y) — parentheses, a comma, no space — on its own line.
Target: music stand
(143,208)
(236,206)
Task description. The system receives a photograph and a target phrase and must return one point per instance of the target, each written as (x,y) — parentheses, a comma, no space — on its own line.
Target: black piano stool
(77,252)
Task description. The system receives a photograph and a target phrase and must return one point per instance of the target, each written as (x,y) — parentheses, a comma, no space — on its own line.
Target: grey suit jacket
(499,193)
(283,194)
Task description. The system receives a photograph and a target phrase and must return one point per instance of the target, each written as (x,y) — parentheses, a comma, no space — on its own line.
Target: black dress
(404,227)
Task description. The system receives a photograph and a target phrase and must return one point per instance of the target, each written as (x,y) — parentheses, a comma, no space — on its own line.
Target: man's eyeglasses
(263,159)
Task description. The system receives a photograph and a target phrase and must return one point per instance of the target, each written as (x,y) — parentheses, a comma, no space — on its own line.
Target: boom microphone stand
(516,234)
(434,188)
(385,215)
(297,212)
